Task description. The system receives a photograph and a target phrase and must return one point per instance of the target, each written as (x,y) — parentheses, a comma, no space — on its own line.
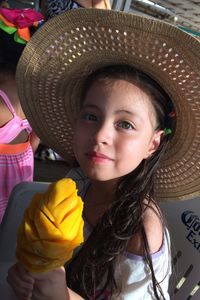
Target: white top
(135,275)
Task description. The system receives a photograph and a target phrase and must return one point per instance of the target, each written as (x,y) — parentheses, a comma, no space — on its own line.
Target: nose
(104,134)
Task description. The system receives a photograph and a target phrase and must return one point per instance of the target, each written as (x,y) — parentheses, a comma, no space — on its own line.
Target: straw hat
(67,48)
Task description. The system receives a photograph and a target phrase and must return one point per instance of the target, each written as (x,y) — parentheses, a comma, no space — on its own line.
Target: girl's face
(115,130)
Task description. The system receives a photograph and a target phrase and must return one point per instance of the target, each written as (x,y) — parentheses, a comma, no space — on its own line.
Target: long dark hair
(98,258)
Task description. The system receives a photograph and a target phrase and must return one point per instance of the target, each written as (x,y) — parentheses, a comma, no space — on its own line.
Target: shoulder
(153,227)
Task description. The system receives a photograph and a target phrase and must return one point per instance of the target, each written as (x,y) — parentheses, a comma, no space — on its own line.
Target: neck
(97,200)
(101,192)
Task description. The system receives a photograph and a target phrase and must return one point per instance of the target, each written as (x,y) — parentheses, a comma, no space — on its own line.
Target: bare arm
(104,4)
(154,231)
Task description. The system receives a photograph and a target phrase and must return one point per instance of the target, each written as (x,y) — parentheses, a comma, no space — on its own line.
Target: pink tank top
(10,130)
(16,161)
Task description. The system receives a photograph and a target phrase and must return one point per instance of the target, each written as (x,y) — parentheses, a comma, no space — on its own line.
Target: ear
(154,143)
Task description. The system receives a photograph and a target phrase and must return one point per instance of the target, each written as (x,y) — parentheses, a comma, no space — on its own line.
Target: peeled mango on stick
(51,229)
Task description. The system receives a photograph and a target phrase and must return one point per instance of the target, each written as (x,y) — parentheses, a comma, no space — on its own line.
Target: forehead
(120,93)
(120,88)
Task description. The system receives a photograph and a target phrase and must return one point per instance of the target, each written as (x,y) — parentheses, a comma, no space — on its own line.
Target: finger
(20,281)
(22,293)
(19,274)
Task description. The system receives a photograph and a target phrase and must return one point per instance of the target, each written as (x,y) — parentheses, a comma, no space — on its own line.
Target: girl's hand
(50,285)
(47,286)
(21,281)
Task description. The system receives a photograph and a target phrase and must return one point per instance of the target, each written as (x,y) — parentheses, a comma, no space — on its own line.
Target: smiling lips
(98,157)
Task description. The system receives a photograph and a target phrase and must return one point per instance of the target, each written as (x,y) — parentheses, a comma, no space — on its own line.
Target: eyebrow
(116,111)
(90,106)
(124,111)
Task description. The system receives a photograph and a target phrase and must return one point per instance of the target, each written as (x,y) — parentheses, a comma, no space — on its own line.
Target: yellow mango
(52,228)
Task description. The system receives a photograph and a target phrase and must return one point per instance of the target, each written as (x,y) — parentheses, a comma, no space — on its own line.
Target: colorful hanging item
(19,21)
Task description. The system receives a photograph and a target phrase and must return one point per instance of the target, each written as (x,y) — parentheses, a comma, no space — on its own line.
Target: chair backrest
(183,221)
(18,202)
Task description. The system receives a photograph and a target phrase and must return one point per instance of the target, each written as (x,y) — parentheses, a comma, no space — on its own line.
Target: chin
(96,175)
(100,176)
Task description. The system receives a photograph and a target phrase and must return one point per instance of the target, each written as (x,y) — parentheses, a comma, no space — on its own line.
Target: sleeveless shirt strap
(7,102)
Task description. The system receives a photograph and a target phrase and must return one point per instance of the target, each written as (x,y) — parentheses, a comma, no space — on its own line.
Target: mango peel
(51,229)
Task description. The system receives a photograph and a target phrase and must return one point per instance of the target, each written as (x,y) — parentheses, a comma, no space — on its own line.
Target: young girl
(117,121)
(17,140)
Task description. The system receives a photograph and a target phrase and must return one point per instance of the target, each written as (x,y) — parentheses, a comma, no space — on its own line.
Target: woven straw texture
(67,48)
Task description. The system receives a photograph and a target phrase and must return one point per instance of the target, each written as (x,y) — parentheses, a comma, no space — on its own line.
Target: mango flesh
(52,228)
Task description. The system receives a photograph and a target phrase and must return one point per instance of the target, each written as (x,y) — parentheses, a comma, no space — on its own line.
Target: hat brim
(62,54)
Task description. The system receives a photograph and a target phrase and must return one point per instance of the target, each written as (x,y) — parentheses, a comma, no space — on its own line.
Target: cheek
(76,138)
(80,139)
(76,148)
(132,147)
(132,151)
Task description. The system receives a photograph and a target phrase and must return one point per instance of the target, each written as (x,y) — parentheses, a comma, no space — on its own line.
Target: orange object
(24,33)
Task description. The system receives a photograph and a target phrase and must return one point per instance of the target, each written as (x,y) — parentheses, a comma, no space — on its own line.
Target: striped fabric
(16,161)
(16,165)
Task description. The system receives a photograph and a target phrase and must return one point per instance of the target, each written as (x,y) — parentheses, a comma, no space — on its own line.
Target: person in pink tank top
(17,140)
